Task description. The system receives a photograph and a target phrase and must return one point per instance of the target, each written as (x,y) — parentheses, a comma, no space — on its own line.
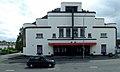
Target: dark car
(40,61)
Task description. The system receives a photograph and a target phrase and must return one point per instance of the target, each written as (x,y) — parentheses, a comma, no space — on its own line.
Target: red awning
(72,44)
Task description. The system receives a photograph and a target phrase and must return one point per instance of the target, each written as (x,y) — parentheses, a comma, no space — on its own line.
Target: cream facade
(69,30)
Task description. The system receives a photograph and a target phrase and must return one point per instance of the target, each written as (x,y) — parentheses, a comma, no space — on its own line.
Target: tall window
(68,32)
(82,32)
(103,35)
(61,32)
(75,32)
(39,35)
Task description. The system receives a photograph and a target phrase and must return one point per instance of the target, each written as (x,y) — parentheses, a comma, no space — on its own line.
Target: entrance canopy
(72,44)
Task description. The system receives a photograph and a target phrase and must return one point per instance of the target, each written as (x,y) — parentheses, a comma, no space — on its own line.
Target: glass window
(54,35)
(61,32)
(89,35)
(71,8)
(103,35)
(68,32)
(39,35)
(75,32)
(82,32)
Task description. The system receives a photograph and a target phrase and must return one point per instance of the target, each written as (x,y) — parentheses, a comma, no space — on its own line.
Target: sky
(14,13)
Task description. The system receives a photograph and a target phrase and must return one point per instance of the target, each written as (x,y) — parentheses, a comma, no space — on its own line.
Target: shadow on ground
(62,59)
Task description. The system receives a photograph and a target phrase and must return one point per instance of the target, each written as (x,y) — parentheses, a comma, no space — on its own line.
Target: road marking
(93,67)
(51,68)
(10,70)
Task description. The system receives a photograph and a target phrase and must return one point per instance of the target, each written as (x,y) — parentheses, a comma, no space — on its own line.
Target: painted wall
(65,19)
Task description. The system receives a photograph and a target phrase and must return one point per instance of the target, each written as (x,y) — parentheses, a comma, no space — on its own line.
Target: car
(40,61)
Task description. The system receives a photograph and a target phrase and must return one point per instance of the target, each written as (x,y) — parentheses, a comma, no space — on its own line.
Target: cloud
(13,13)
(12,16)
(107,9)
(111,11)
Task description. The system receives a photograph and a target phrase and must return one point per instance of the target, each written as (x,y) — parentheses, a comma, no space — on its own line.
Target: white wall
(32,42)
(63,4)
(110,41)
(41,22)
(65,19)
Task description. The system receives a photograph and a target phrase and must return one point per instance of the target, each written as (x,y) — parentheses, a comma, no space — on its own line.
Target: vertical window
(68,32)
(75,32)
(54,35)
(39,35)
(82,32)
(39,49)
(103,49)
(89,35)
(103,35)
(61,32)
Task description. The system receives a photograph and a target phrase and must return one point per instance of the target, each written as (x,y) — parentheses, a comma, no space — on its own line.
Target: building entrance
(71,50)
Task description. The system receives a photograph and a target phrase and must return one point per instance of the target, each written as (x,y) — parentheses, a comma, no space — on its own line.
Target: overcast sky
(13,13)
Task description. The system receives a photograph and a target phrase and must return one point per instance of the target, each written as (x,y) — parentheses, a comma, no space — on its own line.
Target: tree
(19,44)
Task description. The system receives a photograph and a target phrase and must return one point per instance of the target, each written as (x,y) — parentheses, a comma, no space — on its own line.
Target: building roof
(57,10)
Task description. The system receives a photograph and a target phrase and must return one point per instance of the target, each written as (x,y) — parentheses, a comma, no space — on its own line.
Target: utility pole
(83,37)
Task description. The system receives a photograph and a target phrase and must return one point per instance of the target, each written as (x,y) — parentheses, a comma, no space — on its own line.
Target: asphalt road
(105,65)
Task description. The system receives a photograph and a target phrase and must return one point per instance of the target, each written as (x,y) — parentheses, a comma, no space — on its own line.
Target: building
(69,30)
(5,45)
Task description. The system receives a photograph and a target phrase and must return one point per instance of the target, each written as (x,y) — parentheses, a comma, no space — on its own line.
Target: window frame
(82,32)
(75,32)
(89,35)
(103,35)
(39,35)
(68,32)
(61,32)
(54,35)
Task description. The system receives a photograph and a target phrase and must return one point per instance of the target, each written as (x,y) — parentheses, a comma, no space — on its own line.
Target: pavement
(20,58)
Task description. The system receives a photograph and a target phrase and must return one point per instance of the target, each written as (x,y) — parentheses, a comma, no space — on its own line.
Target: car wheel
(50,65)
(31,65)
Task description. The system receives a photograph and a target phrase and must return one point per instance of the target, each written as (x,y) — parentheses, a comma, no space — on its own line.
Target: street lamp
(83,36)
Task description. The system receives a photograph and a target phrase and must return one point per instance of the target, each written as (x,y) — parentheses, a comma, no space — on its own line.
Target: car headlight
(52,60)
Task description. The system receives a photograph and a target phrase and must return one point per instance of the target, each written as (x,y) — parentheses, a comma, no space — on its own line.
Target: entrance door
(87,50)
(103,49)
(71,50)
(39,49)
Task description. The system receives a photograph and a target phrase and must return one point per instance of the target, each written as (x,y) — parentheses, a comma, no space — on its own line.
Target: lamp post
(83,47)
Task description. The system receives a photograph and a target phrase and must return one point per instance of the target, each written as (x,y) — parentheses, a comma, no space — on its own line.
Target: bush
(8,51)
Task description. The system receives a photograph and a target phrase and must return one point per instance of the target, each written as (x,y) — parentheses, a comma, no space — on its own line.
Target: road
(108,65)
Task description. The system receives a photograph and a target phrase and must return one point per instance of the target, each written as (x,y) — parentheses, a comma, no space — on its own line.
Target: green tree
(19,44)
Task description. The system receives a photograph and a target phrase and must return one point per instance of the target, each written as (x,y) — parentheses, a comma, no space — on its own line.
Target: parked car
(40,61)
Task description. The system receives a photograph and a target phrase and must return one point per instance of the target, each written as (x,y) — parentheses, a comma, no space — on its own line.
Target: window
(54,35)
(82,32)
(68,32)
(75,32)
(103,35)
(71,8)
(89,35)
(40,35)
(61,32)
(39,49)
